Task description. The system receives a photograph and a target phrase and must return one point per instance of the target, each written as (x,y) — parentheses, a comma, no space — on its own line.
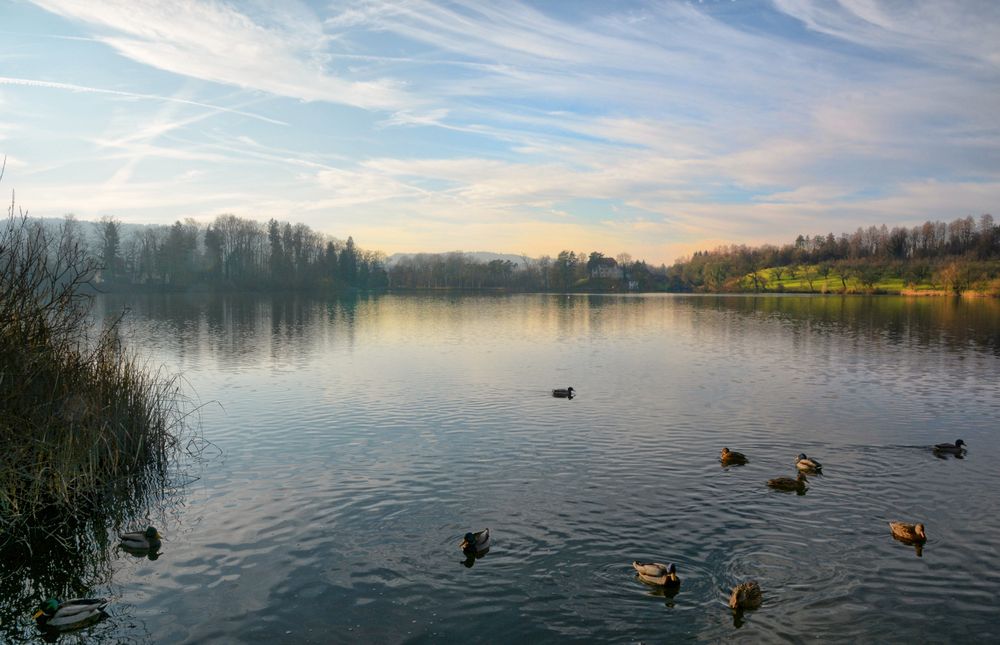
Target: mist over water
(359,439)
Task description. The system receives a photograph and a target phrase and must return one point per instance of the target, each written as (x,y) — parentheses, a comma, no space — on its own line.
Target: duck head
(919,530)
(46,609)
(152,534)
(801,456)
(959,443)
(468,542)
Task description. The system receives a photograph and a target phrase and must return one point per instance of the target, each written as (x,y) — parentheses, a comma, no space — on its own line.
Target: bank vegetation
(82,420)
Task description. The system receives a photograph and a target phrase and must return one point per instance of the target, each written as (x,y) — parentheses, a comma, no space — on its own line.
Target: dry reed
(80,418)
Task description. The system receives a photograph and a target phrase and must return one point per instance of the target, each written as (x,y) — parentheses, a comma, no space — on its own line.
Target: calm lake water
(354,442)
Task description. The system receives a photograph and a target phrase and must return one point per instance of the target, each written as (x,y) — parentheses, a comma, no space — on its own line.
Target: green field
(796,282)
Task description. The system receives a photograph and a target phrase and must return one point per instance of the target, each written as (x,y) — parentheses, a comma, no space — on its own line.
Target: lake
(349,444)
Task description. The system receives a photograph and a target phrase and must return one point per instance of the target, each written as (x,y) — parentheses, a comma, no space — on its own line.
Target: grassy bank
(979,279)
(80,417)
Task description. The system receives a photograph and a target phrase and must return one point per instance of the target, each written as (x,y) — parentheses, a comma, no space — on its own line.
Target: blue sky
(654,128)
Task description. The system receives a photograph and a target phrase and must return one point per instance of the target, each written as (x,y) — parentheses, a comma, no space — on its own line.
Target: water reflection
(232,327)
(362,435)
(472,556)
(69,557)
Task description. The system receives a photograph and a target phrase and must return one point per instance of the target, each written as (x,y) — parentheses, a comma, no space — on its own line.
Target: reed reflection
(64,557)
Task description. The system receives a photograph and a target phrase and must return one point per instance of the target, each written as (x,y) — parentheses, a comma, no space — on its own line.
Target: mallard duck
(561,393)
(476,543)
(141,540)
(746,595)
(787,483)
(910,533)
(807,464)
(655,573)
(71,613)
(953,448)
(730,458)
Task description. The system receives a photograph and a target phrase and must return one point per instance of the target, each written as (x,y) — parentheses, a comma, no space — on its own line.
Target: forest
(954,257)
(229,253)
(234,253)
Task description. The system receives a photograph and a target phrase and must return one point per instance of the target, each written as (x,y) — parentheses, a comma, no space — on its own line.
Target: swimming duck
(787,483)
(807,464)
(141,540)
(476,543)
(746,595)
(731,458)
(71,613)
(953,448)
(561,393)
(655,573)
(909,533)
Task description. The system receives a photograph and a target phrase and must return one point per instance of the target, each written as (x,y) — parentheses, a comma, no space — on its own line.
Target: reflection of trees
(236,330)
(954,323)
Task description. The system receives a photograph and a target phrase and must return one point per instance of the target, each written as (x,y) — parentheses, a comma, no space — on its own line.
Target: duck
(69,614)
(141,540)
(807,464)
(655,573)
(563,393)
(787,483)
(746,595)
(953,448)
(731,458)
(909,533)
(476,543)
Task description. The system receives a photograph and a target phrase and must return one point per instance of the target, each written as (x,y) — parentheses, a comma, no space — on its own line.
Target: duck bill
(36,615)
(465,545)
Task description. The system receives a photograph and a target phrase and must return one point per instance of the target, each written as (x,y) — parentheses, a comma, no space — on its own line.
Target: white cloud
(952,33)
(282,54)
(27,82)
(486,116)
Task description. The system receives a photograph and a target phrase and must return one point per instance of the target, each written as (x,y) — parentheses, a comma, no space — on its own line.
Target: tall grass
(83,424)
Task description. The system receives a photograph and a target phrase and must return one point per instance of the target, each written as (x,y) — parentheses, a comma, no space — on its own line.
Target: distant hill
(477,256)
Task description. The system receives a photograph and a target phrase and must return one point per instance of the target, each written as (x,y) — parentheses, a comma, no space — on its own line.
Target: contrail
(28,82)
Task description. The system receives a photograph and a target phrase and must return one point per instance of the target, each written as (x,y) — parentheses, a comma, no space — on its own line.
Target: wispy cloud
(281,52)
(654,126)
(946,33)
(72,87)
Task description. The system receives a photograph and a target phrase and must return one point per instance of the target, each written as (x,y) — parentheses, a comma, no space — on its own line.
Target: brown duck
(909,533)
(788,484)
(731,458)
(746,595)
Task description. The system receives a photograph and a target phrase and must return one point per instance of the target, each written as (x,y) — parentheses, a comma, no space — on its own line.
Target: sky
(652,128)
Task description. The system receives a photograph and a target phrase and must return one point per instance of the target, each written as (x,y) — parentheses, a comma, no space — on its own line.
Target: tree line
(568,271)
(239,253)
(230,252)
(954,255)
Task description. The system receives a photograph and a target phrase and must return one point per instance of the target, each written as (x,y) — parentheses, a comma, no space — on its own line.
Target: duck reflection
(667,593)
(472,556)
(149,554)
